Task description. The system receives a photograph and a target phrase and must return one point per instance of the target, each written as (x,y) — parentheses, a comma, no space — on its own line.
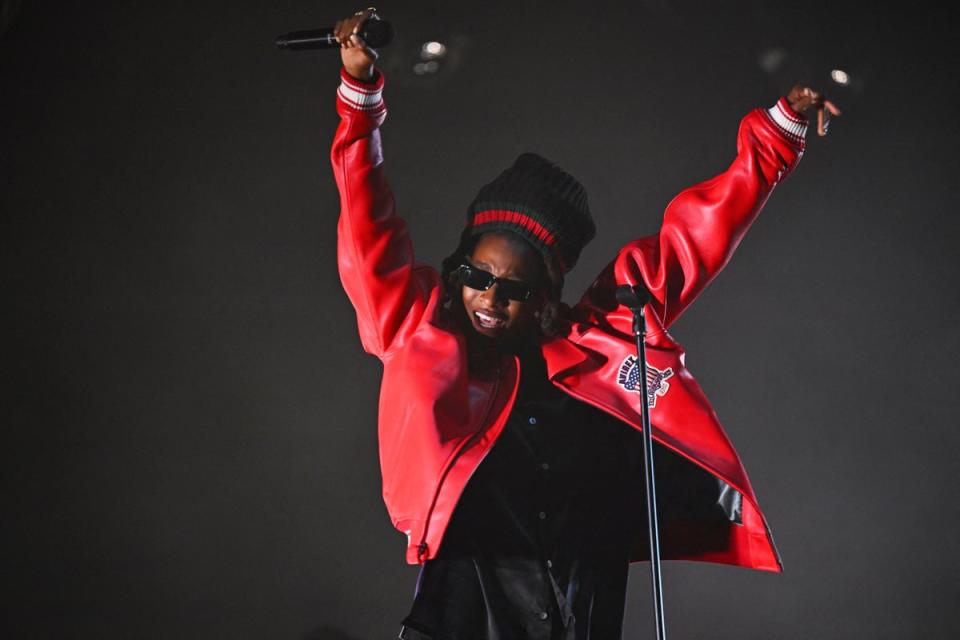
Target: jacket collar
(561,354)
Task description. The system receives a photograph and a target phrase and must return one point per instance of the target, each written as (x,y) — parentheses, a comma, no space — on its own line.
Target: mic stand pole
(635,298)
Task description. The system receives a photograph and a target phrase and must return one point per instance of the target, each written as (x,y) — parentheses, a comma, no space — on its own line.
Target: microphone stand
(635,298)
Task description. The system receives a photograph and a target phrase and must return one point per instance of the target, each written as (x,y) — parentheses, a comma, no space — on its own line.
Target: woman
(532,537)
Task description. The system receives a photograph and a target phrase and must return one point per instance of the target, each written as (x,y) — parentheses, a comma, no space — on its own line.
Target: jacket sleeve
(703,225)
(388,290)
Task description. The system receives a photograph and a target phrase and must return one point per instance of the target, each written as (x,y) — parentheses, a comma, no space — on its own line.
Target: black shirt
(539,544)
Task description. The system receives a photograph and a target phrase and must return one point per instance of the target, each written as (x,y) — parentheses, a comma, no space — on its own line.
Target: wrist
(365,74)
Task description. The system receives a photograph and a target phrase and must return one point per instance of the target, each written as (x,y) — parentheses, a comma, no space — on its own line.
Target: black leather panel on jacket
(540,542)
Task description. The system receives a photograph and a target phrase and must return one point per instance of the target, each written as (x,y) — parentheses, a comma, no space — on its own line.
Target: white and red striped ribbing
(361,95)
(792,124)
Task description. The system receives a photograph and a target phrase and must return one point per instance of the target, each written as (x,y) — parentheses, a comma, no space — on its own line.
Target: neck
(485,353)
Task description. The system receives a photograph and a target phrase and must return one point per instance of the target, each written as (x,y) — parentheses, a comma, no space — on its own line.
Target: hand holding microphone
(802,98)
(355,36)
(358,57)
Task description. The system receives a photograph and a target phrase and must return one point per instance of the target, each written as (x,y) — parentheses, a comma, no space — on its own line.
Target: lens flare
(840,77)
(432,49)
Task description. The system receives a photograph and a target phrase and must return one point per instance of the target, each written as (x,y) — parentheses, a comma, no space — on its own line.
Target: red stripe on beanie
(526,223)
(514,217)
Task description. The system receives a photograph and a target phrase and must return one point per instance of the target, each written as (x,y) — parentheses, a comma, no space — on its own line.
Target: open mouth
(488,320)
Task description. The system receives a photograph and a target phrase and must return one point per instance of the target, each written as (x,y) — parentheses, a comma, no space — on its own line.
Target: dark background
(189,441)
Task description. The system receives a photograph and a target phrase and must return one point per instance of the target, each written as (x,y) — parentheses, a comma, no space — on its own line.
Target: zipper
(422,546)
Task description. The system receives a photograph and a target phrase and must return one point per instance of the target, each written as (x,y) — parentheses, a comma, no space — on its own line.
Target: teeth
(488,320)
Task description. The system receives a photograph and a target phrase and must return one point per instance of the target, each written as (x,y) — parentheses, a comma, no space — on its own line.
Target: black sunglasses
(478,279)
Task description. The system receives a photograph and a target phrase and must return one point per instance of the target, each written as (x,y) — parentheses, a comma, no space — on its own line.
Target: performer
(509,421)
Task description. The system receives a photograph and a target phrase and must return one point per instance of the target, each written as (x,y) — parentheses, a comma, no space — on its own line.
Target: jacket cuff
(788,122)
(362,96)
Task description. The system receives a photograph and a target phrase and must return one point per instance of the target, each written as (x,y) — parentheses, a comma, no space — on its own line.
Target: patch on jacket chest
(657,385)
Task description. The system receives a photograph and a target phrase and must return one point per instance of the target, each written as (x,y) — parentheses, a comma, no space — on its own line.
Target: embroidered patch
(657,385)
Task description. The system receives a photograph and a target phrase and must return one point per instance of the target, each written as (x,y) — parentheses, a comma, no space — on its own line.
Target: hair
(551,276)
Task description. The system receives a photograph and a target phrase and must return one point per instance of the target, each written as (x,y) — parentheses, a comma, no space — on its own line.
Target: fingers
(814,98)
(802,98)
(358,59)
(346,29)
(826,110)
(343,31)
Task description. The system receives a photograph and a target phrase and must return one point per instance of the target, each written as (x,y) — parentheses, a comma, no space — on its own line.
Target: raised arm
(703,225)
(388,290)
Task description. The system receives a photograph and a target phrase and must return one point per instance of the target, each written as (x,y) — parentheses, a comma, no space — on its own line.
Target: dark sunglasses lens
(514,290)
(481,281)
(475,278)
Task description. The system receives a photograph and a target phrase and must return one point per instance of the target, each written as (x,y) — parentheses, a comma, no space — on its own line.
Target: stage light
(840,77)
(432,49)
(425,68)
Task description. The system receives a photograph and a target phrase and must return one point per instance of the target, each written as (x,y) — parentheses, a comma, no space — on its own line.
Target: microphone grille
(377,33)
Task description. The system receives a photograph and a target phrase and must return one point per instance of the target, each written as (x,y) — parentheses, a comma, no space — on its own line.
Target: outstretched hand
(802,98)
(357,57)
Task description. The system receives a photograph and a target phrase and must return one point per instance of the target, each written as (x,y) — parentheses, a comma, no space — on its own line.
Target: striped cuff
(363,96)
(789,122)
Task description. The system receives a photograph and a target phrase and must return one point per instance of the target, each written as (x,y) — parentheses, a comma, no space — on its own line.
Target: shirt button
(543,615)
(545,466)
(532,420)
(542,515)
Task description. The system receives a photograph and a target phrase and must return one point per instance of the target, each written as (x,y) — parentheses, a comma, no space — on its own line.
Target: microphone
(633,297)
(376,33)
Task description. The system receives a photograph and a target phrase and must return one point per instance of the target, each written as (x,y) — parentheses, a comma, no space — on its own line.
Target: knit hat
(539,202)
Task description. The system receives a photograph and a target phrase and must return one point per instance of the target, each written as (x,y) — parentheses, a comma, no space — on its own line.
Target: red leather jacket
(437,421)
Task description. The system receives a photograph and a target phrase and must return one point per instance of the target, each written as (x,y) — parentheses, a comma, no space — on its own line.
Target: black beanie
(541,203)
